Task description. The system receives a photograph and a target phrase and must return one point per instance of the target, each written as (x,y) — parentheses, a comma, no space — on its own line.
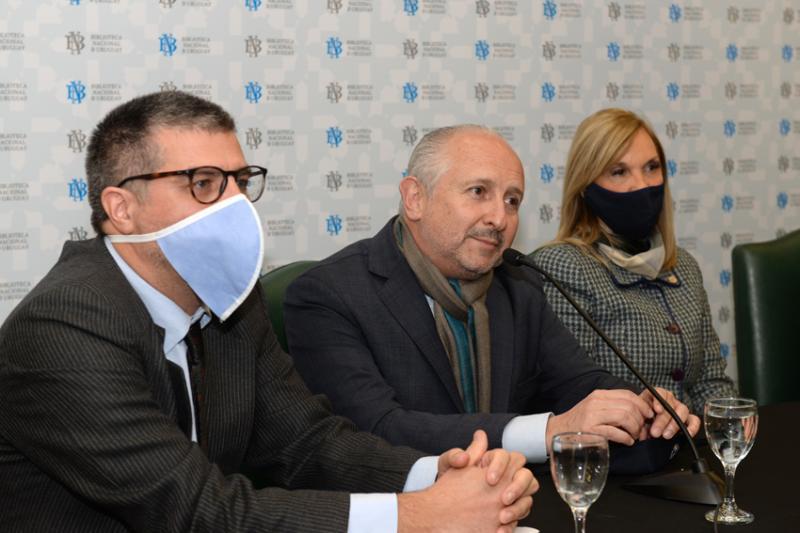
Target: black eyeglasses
(208,183)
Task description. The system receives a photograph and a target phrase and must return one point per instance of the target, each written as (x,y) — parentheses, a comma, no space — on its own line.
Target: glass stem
(730,472)
(580,519)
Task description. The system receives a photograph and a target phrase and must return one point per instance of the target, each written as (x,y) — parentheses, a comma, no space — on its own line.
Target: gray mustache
(488,234)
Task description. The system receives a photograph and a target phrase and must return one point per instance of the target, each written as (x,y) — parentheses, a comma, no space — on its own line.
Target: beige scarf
(445,299)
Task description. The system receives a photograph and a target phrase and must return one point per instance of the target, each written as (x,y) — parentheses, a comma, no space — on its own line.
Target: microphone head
(512,256)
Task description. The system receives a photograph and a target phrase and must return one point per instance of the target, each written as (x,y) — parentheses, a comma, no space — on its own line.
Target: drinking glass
(579,466)
(731,425)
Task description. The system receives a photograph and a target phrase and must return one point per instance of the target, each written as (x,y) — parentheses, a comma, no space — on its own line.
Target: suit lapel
(501,329)
(404,298)
(230,394)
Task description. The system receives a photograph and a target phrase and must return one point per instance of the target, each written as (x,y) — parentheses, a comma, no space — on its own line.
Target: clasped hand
(623,416)
(477,489)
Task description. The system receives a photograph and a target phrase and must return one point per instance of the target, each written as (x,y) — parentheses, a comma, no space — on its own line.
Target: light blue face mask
(218,252)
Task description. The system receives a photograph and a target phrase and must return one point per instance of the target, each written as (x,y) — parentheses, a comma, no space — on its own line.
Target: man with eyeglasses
(140,380)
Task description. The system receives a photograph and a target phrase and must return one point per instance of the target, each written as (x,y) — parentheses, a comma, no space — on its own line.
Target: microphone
(695,486)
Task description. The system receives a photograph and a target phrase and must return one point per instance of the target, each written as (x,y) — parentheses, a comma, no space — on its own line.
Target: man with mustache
(421,335)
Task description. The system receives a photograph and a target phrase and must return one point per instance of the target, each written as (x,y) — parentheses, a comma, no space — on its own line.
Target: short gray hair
(427,161)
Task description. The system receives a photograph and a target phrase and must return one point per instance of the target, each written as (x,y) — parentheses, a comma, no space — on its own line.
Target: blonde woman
(615,251)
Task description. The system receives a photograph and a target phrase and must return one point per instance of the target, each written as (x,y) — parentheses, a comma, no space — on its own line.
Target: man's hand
(618,415)
(663,425)
(497,465)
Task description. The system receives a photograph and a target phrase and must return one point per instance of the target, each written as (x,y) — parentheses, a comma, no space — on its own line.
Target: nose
(640,180)
(496,214)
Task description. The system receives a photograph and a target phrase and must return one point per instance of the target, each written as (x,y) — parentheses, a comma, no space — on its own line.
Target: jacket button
(678,374)
(673,328)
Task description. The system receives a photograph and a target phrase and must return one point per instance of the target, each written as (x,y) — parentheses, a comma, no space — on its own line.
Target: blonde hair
(599,142)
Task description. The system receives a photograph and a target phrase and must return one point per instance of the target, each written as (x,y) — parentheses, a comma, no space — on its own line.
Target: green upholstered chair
(766,291)
(274,284)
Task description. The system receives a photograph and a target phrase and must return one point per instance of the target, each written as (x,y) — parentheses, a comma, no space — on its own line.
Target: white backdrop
(331,95)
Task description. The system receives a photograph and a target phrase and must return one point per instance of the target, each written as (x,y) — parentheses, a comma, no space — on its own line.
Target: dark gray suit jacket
(89,430)
(361,331)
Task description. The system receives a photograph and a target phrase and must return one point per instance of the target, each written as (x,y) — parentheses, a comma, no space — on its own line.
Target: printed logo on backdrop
(77,189)
(788,15)
(333,47)
(167,86)
(630,11)
(410,7)
(252,45)
(253,92)
(334,92)
(725,277)
(481,92)
(482,8)
(727,203)
(409,135)
(628,91)
(410,92)
(671,129)
(724,350)
(334,6)
(613,51)
(728,166)
(672,168)
(74,2)
(334,136)
(724,314)
(783,164)
(76,42)
(12,41)
(281,227)
(683,91)
(564,10)
(76,141)
(14,192)
(745,14)
(782,200)
(78,233)
(167,44)
(333,225)
(784,127)
(614,11)
(17,240)
(689,52)
(725,240)
(787,53)
(252,5)
(481,50)
(13,142)
(545,213)
(675,13)
(76,92)
(548,92)
(169,4)
(547,132)
(546,173)
(333,180)
(253,138)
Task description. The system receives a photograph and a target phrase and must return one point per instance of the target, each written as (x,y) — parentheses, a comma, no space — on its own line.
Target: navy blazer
(361,331)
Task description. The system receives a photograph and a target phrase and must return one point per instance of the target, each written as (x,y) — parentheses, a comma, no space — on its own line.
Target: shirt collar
(164,312)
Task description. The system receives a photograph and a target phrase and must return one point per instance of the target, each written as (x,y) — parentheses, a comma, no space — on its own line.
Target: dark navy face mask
(631,215)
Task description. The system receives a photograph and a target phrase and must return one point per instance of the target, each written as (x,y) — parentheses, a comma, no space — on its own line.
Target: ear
(119,205)
(413,196)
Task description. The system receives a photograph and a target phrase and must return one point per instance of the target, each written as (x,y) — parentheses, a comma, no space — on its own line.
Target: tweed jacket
(361,331)
(90,437)
(663,325)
